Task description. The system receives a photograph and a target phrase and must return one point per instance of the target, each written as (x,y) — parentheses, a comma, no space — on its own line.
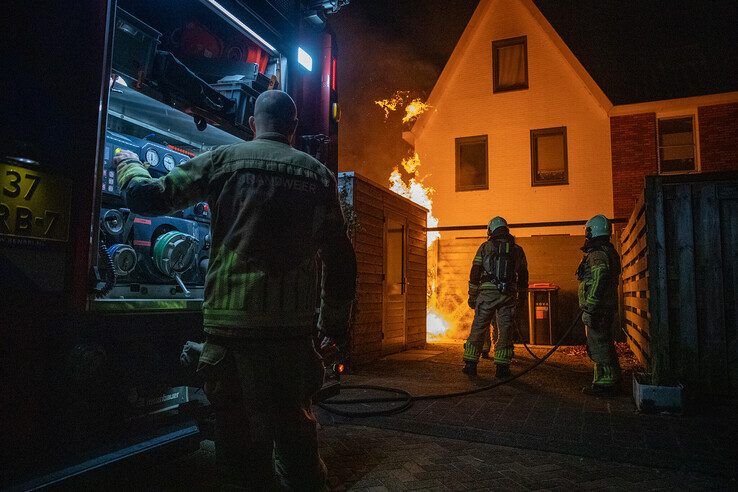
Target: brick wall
(634,156)
(718,137)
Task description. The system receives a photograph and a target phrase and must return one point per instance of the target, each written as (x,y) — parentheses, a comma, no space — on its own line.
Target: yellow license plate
(33,204)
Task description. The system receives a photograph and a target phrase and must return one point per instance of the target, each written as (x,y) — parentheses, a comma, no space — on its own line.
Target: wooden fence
(680,280)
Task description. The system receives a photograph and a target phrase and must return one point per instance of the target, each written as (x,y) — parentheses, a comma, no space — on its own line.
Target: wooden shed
(680,280)
(390,242)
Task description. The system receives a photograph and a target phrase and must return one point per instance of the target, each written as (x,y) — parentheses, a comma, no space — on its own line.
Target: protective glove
(472,302)
(122,156)
(190,355)
(588,308)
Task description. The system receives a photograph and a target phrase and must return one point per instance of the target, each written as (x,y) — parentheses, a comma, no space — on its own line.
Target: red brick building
(703,131)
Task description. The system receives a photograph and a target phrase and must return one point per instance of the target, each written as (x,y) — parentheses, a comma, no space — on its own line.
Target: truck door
(395,265)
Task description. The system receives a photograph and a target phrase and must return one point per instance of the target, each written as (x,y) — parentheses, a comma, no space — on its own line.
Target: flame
(389,105)
(415,190)
(439,324)
(436,326)
(411,164)
(414,108)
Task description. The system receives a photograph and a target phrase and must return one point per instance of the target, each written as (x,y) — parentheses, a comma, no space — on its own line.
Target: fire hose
(406,399)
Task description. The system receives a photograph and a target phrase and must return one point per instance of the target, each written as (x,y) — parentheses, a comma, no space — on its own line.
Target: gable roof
(630,51)
(461,47)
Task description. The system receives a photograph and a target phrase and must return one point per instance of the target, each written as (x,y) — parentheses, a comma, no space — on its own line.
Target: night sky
(637,50)
(385,46)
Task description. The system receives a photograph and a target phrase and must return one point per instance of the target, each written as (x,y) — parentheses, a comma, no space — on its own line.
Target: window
(471,163)
(510,64)
(548,155)
(677,151)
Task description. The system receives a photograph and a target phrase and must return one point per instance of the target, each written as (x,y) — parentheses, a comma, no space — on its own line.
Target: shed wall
(372,203)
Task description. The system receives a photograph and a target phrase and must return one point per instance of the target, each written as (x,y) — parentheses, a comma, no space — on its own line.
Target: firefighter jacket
(599,275)
(275,214)
(480,279)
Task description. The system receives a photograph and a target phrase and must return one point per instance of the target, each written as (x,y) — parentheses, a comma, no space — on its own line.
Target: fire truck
(97,301)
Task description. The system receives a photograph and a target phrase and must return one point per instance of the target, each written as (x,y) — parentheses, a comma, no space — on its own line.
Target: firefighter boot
(470,368)
(502,371)
(603,384)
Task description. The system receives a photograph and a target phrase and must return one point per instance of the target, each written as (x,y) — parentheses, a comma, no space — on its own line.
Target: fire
(390,105)
(415,190)
(438,324)
(411,164)
(414,108)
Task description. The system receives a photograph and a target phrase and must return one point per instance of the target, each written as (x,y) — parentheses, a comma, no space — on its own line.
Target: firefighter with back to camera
(275,214)
(599,274)
(498,282)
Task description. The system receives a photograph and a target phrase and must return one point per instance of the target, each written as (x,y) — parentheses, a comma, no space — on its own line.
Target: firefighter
(598,275)
(498,281)
(275,212)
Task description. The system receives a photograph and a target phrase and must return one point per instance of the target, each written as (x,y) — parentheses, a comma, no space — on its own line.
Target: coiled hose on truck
(406,399)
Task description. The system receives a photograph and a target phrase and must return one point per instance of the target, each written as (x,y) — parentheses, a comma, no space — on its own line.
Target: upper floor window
(549,157)
(471,163)
(510,64)
(677,152)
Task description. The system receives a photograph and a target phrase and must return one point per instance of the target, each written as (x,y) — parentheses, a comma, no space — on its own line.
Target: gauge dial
(168,162)
(152,157)
(183,161)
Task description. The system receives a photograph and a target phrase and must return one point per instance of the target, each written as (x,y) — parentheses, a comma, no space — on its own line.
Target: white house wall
(556,97)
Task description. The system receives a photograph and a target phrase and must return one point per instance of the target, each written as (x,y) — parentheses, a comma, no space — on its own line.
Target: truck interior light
(240,24)
(304,59)
(333,74)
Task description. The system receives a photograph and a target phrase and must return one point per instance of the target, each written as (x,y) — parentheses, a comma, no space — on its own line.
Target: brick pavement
(545,410)
(539,433)
(372,459)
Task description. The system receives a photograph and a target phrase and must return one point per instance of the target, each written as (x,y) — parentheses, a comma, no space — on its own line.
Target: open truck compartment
(182,81)
(99,300)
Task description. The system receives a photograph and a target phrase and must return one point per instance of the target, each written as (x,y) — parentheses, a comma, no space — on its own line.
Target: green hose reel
(174,254)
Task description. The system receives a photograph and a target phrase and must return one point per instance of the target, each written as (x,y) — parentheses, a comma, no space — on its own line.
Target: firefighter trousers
(600,347)
(265,431)
(492,306)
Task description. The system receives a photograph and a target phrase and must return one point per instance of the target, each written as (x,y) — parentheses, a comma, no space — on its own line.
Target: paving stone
(540,433)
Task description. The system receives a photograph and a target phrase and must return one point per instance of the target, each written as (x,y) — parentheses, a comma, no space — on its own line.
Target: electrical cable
(407,398)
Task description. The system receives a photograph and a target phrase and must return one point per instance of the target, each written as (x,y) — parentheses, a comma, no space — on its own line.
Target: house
(550,112)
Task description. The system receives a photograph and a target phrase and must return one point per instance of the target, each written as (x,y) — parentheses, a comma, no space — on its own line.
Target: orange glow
(415,190)
(389,105)
(414,108)
(435,325)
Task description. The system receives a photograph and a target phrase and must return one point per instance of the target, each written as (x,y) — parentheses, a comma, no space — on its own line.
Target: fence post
(657,280)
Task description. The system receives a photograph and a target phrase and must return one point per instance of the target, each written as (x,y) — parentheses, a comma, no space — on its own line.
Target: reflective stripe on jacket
(274,210)
(599,275)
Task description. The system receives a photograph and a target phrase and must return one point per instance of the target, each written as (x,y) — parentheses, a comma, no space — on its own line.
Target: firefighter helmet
(597,226)
(495,224)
